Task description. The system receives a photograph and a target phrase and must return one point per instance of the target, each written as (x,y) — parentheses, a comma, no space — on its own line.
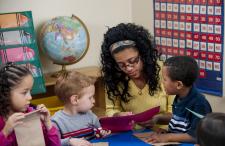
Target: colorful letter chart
(193,28)
(18,44)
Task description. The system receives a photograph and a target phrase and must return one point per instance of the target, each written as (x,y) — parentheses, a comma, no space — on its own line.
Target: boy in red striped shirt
(76,122)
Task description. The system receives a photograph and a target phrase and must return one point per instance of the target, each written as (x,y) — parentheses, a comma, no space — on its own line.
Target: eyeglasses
(130,63)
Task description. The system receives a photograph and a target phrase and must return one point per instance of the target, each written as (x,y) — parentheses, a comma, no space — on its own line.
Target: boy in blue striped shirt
(179,75)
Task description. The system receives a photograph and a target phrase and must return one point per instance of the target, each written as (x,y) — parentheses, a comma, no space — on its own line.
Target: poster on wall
(193,28)
(18,44)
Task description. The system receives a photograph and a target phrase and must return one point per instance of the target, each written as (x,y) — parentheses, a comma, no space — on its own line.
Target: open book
(124,123)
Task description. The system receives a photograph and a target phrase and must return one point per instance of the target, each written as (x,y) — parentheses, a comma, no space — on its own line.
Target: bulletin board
(193,28)
(18,44)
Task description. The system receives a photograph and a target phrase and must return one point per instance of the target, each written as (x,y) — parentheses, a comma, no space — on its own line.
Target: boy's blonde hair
(71,83)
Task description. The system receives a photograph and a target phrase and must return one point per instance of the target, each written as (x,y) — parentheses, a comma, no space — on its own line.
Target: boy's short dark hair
(182,68)
(71,83)
(211,130)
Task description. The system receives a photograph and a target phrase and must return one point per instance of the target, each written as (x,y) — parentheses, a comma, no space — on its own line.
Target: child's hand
(156,138)
(79,142)
(103,132)
(45,116)
(12,122)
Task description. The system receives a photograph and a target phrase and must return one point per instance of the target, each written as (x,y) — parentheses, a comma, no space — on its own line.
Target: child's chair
(52,103)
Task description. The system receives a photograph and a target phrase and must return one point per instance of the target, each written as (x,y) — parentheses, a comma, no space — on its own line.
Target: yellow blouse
(139,103)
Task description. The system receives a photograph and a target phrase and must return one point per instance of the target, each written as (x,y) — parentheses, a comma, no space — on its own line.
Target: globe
(64,39)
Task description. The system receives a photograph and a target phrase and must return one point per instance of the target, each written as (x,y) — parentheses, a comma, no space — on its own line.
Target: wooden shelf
(100,112)
(90,71)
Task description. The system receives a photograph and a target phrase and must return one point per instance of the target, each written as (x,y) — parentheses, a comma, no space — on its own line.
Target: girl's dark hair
(115,79)
(211,130)
(10,76)
(182,68)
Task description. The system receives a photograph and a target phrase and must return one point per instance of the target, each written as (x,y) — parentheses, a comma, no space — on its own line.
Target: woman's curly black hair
(10,76)
(113,77)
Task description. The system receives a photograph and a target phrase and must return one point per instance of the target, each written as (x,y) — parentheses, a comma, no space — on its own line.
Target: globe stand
(63,71)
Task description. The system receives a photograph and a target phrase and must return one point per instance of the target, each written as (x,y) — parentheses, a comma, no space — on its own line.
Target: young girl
(16,82)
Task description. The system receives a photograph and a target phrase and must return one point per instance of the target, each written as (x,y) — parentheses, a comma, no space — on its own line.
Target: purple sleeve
(52,137)
(5,140)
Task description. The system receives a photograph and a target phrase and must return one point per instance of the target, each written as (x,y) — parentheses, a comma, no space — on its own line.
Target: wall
(142,13)
(96,14)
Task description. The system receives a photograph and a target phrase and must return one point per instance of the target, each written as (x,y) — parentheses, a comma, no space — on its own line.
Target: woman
(131,71)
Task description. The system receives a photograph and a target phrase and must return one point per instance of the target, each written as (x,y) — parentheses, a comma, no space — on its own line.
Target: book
(100,144)
(124,123)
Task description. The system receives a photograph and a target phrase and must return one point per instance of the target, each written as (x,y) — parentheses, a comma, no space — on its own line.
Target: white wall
(142,13)
(96,14)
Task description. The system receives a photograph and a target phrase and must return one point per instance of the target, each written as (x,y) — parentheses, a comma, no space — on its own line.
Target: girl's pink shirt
(51,136)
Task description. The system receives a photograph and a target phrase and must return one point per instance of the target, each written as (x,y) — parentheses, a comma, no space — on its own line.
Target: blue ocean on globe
(64,40)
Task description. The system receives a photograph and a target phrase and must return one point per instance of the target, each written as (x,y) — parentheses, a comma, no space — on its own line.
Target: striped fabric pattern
(179,124)
(87,133)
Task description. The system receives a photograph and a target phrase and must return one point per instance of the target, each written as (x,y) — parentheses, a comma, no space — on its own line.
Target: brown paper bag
(30,132)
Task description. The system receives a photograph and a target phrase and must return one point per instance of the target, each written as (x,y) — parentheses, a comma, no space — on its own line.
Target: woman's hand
(79,142)
(150,123)
(45,116)
(123,114)
(12,122)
